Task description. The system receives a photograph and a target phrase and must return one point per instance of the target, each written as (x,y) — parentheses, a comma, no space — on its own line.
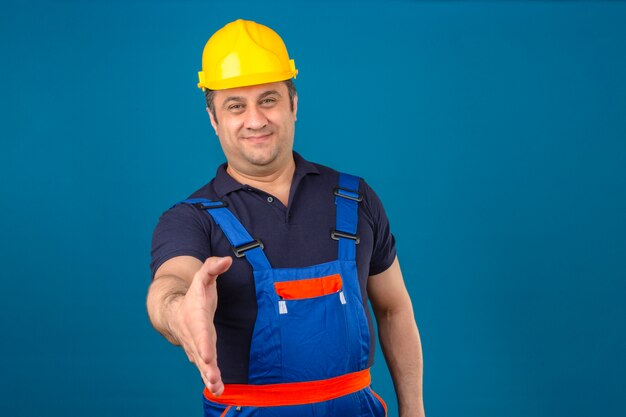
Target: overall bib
(310,344)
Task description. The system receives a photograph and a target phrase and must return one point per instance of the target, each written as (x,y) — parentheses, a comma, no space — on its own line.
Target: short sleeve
(180,231)
(384,248)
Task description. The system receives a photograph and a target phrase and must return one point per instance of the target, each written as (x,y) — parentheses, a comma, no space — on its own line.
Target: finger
(218,265)
(203,368)
(201,302)
(211,268)
(211,376)
(214,379)
(217,388)
(202,332)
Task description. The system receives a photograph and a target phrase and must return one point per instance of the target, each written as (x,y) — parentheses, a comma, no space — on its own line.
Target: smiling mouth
(257,138)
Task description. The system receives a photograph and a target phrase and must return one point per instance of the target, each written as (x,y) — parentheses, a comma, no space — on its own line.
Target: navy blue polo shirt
(294,236)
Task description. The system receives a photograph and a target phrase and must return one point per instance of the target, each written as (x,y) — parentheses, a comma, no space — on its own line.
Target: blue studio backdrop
(494,132)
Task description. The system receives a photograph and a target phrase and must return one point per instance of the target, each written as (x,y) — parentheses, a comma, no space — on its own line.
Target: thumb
(212,267)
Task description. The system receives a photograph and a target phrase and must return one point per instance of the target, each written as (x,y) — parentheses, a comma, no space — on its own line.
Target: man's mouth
(258,138)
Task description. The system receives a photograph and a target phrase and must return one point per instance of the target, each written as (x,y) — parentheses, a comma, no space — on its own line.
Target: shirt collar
(225,184)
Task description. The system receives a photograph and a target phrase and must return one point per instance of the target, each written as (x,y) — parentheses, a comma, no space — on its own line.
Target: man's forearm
(402,348)
(164,296)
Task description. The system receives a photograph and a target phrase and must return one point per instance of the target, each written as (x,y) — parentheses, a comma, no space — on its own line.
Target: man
(282,328)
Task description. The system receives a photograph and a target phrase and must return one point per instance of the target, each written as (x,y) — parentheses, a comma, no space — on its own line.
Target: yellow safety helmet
(244,53)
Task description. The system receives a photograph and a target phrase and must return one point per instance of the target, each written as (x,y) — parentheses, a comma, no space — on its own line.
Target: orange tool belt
(291,393)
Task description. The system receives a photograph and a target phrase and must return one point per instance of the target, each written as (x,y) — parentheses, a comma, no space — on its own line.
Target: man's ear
(213,121)
(295,107)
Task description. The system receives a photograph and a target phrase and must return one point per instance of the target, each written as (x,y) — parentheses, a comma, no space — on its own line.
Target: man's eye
(266,101)
(235,107)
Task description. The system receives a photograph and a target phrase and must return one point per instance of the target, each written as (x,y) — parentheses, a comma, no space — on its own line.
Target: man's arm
(181,305)
(399,337)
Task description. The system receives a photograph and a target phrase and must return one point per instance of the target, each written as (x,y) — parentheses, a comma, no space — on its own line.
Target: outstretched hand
(193,322)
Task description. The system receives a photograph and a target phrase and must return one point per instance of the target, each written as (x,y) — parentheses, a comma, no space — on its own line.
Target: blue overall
(311,338)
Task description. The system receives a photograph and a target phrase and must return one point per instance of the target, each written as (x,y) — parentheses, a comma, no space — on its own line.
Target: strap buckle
(336,234)
(202,206)
(240,251)
(348,193)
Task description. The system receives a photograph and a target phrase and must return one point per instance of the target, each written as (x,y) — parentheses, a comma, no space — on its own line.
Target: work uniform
(310,341)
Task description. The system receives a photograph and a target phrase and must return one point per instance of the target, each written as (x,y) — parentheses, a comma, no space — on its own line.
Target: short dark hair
(209,95)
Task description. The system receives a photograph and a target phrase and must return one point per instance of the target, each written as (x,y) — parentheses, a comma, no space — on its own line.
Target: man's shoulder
(325,172)
(179,210)
(206,191)
(332,174)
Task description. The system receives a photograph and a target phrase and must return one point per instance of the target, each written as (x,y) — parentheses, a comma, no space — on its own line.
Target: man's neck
(276,182)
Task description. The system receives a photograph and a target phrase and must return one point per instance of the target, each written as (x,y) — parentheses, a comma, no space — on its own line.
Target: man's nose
(255,118)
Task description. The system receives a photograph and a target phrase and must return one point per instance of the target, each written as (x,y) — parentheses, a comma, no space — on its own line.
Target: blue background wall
(495,133)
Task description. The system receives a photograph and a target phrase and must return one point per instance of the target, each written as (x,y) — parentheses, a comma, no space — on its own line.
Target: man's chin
(261,160)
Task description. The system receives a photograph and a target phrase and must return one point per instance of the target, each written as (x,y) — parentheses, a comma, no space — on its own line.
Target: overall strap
(242,243)
(347,199)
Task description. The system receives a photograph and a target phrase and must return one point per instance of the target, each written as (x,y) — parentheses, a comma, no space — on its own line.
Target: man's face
(255,126)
